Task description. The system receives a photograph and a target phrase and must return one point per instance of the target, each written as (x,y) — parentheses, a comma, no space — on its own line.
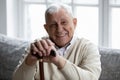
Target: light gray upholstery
(110,59)
(11,51)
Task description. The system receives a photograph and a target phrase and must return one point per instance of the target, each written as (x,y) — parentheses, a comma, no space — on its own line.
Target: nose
(59,28)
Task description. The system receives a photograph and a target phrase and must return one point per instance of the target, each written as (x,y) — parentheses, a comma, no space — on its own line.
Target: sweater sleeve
(88,69)
(24,71)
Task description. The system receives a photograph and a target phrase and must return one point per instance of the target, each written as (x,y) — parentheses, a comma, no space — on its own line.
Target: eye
(64,22)
(53,25)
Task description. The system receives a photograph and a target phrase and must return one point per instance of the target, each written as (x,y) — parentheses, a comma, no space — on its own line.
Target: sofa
(12,49)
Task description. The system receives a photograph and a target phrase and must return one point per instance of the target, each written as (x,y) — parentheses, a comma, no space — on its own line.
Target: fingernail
(34,52)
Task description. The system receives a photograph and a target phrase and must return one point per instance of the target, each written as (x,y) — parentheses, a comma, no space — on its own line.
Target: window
(35,21)
(115,18)
(115,27)
(88,2)
(35,18)
(98,20)
(87,25)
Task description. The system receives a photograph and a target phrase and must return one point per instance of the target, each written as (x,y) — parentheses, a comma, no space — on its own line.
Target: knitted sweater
(82,63)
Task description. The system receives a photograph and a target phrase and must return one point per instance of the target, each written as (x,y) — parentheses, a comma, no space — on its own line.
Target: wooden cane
(41,65)
(41,70)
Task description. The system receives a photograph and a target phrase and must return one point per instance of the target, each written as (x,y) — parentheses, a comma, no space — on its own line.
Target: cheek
(71,30)
(51,32)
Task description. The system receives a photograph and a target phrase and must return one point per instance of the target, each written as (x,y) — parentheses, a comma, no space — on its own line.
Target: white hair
(53,8)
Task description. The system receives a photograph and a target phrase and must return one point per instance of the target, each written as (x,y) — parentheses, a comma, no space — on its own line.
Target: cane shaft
(41,67)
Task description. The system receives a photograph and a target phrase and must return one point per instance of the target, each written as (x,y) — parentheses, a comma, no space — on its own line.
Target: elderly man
(75,59)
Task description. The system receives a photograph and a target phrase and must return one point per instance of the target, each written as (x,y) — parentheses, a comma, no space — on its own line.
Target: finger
(35,50)
(44,44)
(49,42)
(51,51)
(40,47)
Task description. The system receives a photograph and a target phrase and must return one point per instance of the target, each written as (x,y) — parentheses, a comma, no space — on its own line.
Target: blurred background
(98,20)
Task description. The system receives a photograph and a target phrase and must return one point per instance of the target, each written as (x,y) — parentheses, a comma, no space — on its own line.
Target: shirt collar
(69,44)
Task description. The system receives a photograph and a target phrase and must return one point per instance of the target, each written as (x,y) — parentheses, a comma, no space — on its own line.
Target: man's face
(60,27)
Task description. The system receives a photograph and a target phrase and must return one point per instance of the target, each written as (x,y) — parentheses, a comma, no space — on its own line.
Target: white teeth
(61,35)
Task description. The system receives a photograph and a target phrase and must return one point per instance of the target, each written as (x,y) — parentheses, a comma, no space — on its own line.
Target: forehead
(60,14)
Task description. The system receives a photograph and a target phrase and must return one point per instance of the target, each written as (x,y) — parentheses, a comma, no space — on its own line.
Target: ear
(46,27)
(75,22)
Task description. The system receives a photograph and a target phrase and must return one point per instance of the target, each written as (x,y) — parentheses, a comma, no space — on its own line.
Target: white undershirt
(62,51)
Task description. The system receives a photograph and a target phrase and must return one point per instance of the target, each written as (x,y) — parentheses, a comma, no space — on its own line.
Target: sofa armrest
(11,51)
(110,62)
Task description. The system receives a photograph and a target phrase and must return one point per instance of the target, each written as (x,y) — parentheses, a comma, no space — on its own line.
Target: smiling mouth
(61,35)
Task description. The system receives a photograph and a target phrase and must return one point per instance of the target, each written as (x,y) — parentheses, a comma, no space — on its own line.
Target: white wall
(12,17)
(3,20)
(9,17)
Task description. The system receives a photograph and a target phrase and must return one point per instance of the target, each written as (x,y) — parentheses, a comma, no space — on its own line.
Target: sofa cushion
(11,51)
(110,59)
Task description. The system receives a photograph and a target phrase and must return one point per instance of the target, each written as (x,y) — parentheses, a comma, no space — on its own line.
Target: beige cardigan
(83,63)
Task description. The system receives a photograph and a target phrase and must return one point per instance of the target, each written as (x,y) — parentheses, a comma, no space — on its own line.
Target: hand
(43,48)
(40,47)
(36,54)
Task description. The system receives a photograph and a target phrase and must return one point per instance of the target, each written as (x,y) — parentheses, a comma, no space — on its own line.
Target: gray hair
(55,8)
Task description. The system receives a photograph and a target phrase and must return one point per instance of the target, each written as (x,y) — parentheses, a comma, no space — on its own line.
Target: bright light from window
(34,0)
(115,28)
(36,20)
(87,25)
(86,1)
(63,1)
(115,2)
